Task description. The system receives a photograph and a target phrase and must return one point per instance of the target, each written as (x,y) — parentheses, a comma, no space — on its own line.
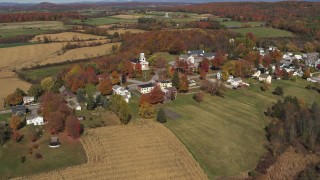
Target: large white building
(142,60)
(122,92)
(35,120)
(145,88)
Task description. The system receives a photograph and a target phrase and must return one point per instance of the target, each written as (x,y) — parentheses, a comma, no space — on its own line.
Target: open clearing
(140,150)
(226,135)
(128,16)
(237,24)
(264,32)
(30,28)
(67,36)
(105,20)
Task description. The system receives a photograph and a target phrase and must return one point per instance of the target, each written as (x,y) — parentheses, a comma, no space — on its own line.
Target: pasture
(29,28)
(70,153)
(39,74)
(122,31)
(237,24)
(264,32)
(105,20)
(141,150)
(226,135)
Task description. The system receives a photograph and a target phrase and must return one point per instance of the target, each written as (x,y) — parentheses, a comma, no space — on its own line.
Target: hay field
(31,55)
(67,36)
(141,150)
(128,16)
(8,83)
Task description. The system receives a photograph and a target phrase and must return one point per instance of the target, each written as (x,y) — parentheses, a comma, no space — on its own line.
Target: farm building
(19,110)
(54,142)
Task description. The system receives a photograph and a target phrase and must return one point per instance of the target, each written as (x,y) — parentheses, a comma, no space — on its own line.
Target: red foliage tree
(105,86)
(73,127)
(55,122)
(144,98)
(156,95)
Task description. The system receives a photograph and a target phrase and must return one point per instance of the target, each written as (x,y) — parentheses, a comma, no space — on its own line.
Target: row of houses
(170,92)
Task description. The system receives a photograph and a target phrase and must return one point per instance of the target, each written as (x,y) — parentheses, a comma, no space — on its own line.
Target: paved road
(32,108)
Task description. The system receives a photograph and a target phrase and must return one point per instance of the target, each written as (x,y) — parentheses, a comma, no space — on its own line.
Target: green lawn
(16,44)
(70,153)
(264,32)
(39,74)
(105,20)
(29,28)
(236,24)
(226,135)
(164,55)
(5,117)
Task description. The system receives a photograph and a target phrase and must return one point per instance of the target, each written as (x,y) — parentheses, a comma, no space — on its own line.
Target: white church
(142,60)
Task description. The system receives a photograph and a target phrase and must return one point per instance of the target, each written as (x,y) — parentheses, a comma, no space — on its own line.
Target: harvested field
(122,31)
(67,36)
(8,77)
(128,16)
(141,150)
(31,55)
(289,164)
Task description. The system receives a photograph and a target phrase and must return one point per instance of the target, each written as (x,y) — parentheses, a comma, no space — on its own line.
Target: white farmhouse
(122,92)
(35,120)
(265,77)
(235,82)
(164,84)
(145,88)
(28,100)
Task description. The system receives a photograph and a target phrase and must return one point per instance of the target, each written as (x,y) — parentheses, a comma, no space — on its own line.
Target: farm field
(122,31)
(178,16)
(29,28)
(68,36)
(9,77)
(236,24)
(39,74)
(105,20)
(226,135)
(141,150)
(264,32)
(47,53)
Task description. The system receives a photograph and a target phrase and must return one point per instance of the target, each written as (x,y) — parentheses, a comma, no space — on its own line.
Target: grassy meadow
(39,74)
(70,153)
(237,24)
(226,135)
(105,20)
(264,32)
(29,28)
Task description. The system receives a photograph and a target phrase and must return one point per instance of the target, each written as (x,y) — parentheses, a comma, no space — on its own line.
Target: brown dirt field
(107,26)
(67,36)
(289,164)
(141,150)
(122,31)
(8,83)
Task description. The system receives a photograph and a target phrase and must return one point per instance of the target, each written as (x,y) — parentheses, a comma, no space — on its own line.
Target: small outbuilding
(265,77)
(54,142)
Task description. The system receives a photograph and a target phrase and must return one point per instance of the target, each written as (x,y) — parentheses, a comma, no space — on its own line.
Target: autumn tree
(4,134)
(156,95)
(16,136)
(184,84)
(47,84)
(198,96)
(15,122)
(35,90)
(278,91)
(219,59)
(56,122)
(138,70)
(81,95)
(146,110)
(309,47)
(306,73)
(265,86)
(73,127)
(115,78)
(20,92)
(205,65)
(120,107)
(144,98)
(14,99)
(105,87)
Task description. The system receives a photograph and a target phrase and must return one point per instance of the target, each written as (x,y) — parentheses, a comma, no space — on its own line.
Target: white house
(235,82)
(35,120)
(145,88)
(122,92)
(265,77)
(144,63)
(78,107)
(191,83)
(219,75)
(28,100)
(256,74)
(164,84)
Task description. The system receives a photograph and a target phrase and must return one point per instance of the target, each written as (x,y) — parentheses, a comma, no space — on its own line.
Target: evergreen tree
(90,103)
(20,92)
(176,79)
(278,91)
(35,90)
(125,112)
(161,117)
(80,95)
